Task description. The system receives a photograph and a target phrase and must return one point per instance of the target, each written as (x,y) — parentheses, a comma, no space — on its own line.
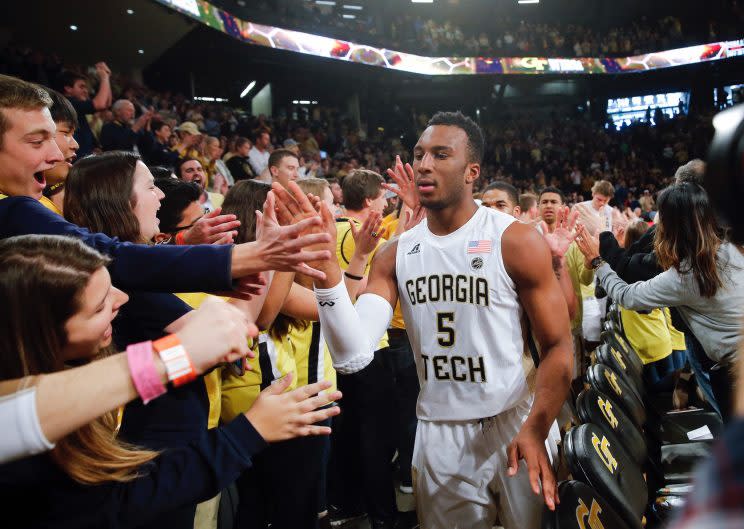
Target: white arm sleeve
(352,333)
(22,435)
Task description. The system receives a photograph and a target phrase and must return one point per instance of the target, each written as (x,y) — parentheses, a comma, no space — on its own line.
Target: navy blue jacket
(204,268)
(35,493)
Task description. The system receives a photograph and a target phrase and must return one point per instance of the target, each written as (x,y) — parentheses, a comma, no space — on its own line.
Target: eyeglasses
(176,231)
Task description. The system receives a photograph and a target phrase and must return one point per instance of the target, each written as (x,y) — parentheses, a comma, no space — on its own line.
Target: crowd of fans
(157,172)
(504,35)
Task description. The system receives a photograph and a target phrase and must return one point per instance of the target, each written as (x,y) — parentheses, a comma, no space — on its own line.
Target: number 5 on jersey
(445,331)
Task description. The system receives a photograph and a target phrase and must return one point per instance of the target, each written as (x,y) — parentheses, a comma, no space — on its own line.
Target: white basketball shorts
(460,476)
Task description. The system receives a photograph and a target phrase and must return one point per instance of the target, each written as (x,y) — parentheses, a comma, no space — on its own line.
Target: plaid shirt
(717,501)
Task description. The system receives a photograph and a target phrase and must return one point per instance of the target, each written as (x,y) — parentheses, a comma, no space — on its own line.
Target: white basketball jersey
(462,315)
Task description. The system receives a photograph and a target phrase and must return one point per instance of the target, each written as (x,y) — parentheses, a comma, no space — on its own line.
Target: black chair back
(608,469)
(595,407)
(605,380)
(582,507)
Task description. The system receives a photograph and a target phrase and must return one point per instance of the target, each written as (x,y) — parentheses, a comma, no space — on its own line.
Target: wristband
(144,373)
(352,276)
(176,360)
(180,238)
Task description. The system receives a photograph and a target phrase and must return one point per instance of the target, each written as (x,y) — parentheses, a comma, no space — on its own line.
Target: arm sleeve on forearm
(352,332)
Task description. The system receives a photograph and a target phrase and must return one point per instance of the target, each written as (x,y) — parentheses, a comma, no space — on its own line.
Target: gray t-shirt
(716,322)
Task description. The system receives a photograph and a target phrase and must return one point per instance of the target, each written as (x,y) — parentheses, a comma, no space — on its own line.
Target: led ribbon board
(328,47)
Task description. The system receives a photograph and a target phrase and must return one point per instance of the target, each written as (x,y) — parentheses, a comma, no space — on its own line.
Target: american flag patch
(482,246)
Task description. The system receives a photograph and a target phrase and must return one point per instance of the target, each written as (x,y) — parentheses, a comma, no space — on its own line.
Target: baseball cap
(189,127)
(391,194)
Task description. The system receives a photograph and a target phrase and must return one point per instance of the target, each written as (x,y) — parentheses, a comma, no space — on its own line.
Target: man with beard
(191,170)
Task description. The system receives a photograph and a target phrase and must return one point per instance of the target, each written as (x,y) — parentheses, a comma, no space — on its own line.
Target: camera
(724,178)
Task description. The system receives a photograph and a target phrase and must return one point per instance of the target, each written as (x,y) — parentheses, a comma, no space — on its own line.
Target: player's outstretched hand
(279,416)
(291,204)
(404,177)
(529,445)
(283,248)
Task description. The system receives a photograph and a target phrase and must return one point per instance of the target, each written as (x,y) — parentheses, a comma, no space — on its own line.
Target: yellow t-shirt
(311,355)
(678,337)
(389,225)
(213,379)
(50,205)
(273,360)
(648,334)
(581,279)
(345,250)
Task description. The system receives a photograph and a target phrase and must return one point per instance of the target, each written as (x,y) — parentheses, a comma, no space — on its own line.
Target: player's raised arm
(352,343)
(528,262)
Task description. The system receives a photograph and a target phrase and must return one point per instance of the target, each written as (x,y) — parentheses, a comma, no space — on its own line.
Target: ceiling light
(528,1)
(304,102)
(325,2)
(141,52)
(352,7)
(422,1)
(346,15)
(130,11)
(73,27)
(247,89)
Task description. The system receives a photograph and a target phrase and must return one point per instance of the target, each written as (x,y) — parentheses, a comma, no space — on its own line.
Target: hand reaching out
(279,416)
(564,234)
(588,244)
(282,248)
(404,177)
(212,228)
(367,236)
(593,222)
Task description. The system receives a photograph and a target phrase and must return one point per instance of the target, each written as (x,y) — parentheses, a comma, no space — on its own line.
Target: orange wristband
(176,359)
(180,238)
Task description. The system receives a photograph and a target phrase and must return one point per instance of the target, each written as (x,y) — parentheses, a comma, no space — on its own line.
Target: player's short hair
(507,188)
(552,189)
(604,188)
(359,185)
(276,157)
(527,201)
(472,131)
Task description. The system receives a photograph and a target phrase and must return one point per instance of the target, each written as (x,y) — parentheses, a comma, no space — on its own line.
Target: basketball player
(463,276)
